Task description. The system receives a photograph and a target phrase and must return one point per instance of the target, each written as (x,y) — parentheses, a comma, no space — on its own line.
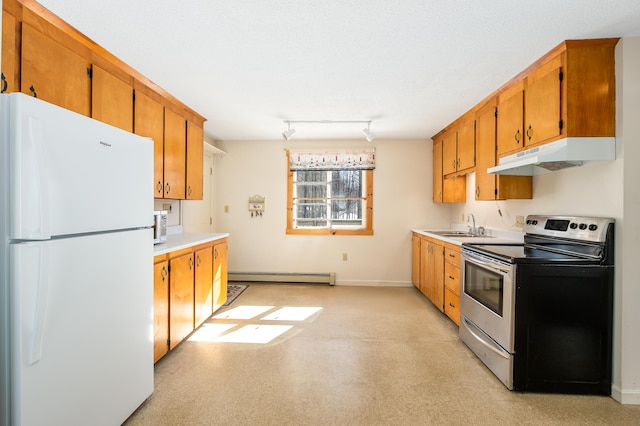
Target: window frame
(367,213)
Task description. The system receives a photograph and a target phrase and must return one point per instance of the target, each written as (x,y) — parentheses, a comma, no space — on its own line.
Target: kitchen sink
(459,234)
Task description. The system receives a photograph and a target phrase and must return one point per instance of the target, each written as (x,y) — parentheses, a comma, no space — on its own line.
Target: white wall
(402,200)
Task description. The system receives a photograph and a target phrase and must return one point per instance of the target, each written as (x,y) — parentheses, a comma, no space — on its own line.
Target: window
(334,199)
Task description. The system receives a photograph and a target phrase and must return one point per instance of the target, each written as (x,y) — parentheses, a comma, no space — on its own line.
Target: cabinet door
(149,122)
(425,267)
(466,146)
(195,139)
(203,285)
(54,73)
(160,310)
(180,298)
(510,113)
(175,153)
(437,172)
(449,153)
(437,275)
(220,258)
(452,306)
(111,99)
(8,67)
(486,158)
(542,108)
(415,260)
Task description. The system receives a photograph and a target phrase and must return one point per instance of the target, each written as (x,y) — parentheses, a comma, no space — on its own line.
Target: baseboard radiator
(326,278)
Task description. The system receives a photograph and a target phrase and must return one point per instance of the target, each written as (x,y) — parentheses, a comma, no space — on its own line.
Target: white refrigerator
(76,274)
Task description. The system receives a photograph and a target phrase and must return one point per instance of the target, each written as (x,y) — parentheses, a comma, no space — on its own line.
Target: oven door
(488,297)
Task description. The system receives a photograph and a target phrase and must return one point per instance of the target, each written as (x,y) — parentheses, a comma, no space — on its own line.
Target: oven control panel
(574,227)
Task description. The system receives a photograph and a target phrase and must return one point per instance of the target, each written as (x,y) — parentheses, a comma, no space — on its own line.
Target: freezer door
(81,328)
(70,174)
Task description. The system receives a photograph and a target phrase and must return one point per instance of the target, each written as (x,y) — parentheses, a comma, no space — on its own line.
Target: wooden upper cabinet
(449,152)
(9,80)
(54,73)
(542,119)
(437,172)
(175,152)
(466,146)
(195,141)
(111,99)
(149,122)
(494,187)
(510,135)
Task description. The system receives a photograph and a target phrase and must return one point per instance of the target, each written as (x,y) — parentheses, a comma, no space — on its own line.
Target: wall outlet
(520,221)
(167,207)
(344,256)
(462,217)
(226,209)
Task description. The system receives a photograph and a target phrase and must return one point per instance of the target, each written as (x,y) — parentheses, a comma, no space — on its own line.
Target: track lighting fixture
(289,132)
(367,131)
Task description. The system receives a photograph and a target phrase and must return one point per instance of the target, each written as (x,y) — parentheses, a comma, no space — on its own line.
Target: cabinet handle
(517,136)
(33,91)
(529,132)
(451,277)
(164,273)
(452,255)
(167,187)
(189,191)
(198,260)
(159,187)
(191,263)
(458,164)
(452,305)
(5,84)
(215,253)
(477,191)
(453,164)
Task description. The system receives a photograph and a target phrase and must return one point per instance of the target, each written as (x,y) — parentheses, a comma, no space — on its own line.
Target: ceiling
(409,66)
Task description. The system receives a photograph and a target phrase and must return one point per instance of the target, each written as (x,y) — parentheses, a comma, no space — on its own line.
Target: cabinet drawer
(452,278)
(452,305)
(452,255)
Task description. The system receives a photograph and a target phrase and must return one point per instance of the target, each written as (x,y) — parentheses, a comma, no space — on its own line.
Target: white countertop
(492,236)
(180,241)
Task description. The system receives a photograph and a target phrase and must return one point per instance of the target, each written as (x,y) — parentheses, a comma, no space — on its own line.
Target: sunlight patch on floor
(243,312)
(292,313)
(254,333)
(209,331)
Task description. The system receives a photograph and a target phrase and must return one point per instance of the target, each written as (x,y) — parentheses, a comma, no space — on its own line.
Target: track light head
(289,132)
(367,133)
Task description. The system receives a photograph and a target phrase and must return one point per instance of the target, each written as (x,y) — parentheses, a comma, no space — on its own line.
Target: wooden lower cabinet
(203,285)
(220,256)
(160,307)
(430,264)
(452,282)
(189,285)
(181,298)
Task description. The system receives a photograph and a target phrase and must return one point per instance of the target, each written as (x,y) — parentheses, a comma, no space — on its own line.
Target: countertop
(180,241)
(493,236)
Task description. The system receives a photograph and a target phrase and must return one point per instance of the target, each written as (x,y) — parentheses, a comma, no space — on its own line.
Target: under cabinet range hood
(557,155)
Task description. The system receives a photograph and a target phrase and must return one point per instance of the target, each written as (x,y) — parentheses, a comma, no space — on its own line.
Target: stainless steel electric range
(540,314)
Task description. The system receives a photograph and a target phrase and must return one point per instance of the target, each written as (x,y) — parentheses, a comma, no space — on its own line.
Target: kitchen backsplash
(173,209)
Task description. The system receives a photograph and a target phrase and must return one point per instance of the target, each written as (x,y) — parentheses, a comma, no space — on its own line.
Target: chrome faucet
(473,230)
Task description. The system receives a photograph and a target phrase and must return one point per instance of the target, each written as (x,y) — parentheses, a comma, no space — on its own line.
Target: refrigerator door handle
(32,266)
(31,199)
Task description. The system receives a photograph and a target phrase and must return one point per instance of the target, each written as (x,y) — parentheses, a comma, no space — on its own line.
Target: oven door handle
(497,351)
(491,265)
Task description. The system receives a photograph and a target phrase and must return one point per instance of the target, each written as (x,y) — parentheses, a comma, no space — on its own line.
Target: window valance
(364,159)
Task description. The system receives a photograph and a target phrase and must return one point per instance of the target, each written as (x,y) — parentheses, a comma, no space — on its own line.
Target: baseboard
(368,283)
(630,397)
(283,277)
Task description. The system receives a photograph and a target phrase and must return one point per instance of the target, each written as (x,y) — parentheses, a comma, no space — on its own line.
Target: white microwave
(159,226)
